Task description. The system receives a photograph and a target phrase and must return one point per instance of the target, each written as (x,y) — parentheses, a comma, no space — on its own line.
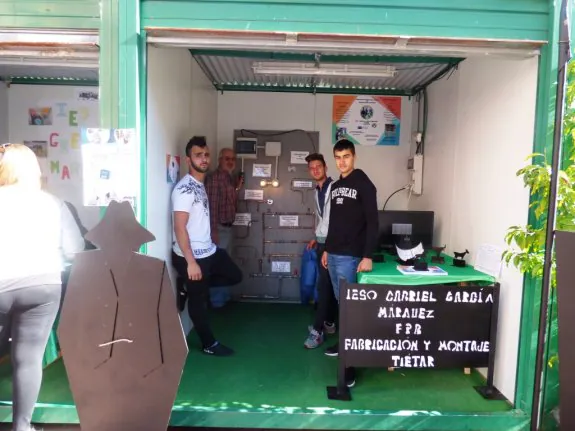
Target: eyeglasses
(3,147)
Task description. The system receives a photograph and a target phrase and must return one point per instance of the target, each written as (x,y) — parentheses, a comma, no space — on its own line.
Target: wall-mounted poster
(367,120)
(173,168)
(110,166)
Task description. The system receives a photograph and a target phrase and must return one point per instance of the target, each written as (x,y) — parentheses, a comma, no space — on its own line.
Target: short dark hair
(196,141)
(344,144)
(315,156)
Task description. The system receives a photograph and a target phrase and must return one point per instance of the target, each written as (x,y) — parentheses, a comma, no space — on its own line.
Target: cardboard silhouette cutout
(120,333)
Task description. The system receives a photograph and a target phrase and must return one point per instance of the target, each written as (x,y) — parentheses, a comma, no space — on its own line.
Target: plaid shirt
(222,197)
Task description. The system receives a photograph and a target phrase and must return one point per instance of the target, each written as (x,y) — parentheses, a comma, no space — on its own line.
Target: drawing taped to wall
(367,120)
(40,116)
(172,168)
(40,148)
(87,95)
(110,166)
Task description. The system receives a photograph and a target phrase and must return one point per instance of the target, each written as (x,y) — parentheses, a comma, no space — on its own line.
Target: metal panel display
(276,214)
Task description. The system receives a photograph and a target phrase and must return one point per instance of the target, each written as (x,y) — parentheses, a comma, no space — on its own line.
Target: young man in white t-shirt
(194,256)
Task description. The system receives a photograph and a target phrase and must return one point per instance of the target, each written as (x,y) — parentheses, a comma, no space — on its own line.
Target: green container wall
(512,19)
(69,14)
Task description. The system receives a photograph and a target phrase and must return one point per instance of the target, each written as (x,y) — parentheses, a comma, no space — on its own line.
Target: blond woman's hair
(19,165)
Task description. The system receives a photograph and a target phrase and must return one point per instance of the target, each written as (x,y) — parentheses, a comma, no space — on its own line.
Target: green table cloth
(387,273)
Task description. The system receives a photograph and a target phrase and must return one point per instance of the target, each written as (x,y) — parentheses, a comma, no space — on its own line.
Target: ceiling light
(275,183)
(327,69)
(263,183)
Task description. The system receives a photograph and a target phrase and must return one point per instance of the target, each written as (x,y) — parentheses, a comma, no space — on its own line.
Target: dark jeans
(217,270)
(327,305)
(29,315)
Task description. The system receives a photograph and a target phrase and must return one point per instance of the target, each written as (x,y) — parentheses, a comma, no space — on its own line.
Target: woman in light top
(37,233)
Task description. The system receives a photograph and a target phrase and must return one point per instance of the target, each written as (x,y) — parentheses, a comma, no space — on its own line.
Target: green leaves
(527,243)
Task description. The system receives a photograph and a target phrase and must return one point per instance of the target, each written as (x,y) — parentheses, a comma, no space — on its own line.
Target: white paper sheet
(254,195)
(262,170)
(289,221)
(298,157)
(302,184)
(278,266)
(243,219)
(409,254)
(488,260)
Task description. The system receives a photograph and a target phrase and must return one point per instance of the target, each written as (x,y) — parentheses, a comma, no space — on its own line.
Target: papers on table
(489,260)
(431,270)
(406,255)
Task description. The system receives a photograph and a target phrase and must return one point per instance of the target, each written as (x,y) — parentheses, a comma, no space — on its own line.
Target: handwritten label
(243,219)
(416,327)
(302,184)
(254,195)
(262,170)
(281,266)
(298,157)
(288,221)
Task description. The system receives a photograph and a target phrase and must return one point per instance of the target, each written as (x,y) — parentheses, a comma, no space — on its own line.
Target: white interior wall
(181,103)
(480,129)
(69,114)
(385,165)
(4,134)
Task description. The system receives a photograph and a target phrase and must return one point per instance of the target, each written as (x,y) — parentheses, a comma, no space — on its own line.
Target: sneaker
(329,328)
(333,350)
(218,349)
(350,377)
(314,339)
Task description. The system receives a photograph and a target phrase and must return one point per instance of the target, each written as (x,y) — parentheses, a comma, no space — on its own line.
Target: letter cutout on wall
(120,333)
(73,117)
(65,173)
(75,141)
(61,109)
(54,166)
(84,113)
(53,141)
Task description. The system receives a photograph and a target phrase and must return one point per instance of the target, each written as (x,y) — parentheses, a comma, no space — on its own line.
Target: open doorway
(479,121)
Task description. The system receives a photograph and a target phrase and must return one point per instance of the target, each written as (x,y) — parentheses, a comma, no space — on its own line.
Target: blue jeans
(342,267)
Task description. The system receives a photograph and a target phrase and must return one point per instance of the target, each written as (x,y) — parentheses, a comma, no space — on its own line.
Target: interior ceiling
(228,58)
(60,57)
(234,71)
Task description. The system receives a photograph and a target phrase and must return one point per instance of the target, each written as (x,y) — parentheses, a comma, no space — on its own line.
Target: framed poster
(367,120)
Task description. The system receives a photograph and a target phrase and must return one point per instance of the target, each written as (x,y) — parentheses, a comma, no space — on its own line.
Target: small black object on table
(458,259)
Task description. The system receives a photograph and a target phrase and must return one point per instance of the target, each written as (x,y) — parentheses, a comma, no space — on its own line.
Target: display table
(387,273)
(383,273)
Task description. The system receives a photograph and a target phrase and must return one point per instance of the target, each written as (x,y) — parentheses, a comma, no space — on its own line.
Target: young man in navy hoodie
(353,226)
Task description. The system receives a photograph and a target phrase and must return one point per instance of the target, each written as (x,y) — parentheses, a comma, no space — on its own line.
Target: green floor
(272,370)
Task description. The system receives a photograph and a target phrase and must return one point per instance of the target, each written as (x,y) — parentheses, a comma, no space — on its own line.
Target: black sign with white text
(432,326)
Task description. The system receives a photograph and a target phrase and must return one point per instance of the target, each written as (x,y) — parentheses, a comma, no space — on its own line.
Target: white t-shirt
(190,196)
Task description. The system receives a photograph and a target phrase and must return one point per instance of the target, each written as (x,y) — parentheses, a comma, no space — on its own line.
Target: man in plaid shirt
(222,189)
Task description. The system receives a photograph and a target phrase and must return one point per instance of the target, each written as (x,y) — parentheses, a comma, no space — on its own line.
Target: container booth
(470,92)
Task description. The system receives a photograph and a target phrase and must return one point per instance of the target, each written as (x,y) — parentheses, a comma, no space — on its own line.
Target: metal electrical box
(415,165)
